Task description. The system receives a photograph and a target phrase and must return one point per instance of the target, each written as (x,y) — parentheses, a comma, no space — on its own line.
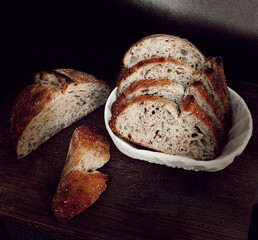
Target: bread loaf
(80,183)
(57,100)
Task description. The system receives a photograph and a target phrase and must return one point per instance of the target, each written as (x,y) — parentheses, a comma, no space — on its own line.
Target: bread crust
(142,84)
(36,97)
(218,89)
(76,192)
(80,184)
(190,105)
(29,103)
(127,72)
(64,77)
(165,37)
(198,86)
(86,138)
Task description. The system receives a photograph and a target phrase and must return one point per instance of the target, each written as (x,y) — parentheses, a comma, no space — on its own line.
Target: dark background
(94,36)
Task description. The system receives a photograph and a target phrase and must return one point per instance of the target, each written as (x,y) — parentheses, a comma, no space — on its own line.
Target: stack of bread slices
(171,99)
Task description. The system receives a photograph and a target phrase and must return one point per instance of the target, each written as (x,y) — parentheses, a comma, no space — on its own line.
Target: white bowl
(239,135)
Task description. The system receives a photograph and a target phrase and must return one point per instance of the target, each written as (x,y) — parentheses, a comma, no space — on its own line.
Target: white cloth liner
(239,135)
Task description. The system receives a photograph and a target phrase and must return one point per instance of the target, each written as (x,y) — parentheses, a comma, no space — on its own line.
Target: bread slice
(156,123)
(216,63)
(177,72)
(209,105)
(57,100)
(157,68)
(162,88)
(80,183)
(167,46)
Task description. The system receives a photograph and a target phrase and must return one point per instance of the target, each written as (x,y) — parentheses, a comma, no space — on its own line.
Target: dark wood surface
(142,200)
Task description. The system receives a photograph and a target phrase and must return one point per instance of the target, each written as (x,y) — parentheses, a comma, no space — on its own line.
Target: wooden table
(142,200)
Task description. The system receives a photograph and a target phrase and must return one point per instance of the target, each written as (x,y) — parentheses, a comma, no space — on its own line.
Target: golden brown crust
(190,105)
(29,103)
(76,192)
(86,138)
(79,188)
(217,64)
(142,84)
(129,71)
(34,98)
(122,107)
(62,78)
(218,89)
(212,103)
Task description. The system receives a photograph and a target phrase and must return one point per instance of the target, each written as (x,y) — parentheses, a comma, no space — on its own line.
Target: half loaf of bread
(58,99)
(80,183)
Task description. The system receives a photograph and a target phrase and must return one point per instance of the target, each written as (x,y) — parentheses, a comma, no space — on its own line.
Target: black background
(94,36)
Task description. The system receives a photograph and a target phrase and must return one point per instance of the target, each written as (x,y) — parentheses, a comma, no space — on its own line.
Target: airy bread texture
(162,88)
(167,46)
(80,183)
(156,123)
(157,68)
(58,99)
(197,96)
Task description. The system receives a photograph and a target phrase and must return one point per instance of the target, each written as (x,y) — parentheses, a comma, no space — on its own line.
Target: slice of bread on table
(80,183)
(58,99)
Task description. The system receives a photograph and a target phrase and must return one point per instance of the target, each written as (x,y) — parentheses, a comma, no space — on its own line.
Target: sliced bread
(177,72)
(57,100)
(156,123)
(209,105)
(80,183)
(162,88)
(162,45)
(157,68)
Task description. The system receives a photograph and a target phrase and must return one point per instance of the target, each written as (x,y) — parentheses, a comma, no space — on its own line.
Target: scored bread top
(52,90)
(62,78)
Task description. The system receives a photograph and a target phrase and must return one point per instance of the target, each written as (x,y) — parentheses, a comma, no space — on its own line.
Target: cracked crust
(80,183)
